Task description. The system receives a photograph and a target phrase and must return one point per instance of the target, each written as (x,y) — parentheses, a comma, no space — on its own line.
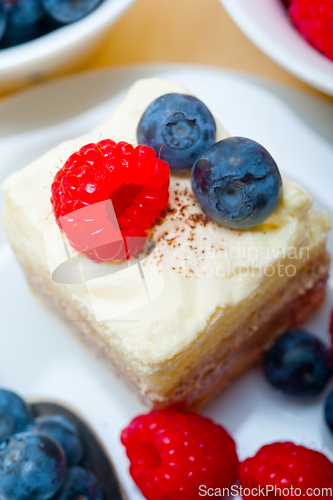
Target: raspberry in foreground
(172,453)
(286,465)
(133,179)
(314,20)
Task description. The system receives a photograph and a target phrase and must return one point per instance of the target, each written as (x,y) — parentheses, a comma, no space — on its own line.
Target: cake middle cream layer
(202,272)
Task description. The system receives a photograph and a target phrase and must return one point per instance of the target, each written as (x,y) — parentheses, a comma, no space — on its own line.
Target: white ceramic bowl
(266,23)
(59,49)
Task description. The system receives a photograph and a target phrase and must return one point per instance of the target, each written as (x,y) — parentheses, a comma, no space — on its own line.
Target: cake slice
(182,323)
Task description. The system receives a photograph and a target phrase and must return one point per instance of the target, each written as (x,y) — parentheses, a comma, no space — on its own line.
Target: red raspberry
(314,20)
(133,178)
(286,465)
(172,453)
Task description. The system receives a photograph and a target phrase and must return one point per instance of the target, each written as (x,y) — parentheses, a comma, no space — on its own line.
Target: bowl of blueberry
(297,34)
(40,37)
(47,451)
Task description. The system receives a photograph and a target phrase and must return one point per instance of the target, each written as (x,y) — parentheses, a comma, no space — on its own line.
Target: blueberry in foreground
(32,466)
(329,411)
(298,364)
(3,20)
(62,430)
(69,11)
(80,484)
(237,183)
(14,414)
(179,128)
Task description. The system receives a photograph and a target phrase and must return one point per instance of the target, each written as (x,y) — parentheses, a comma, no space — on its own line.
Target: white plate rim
(220,404)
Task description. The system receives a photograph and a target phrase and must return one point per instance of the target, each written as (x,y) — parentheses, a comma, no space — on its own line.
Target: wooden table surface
(192,31)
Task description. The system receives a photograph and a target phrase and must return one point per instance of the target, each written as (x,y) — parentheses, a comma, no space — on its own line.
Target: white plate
(266,23)
(38,356)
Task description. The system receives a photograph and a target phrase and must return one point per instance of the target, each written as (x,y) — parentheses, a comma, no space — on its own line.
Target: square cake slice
(182,323)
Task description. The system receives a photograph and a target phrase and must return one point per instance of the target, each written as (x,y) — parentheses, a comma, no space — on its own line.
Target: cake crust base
(251,350)
(212,376)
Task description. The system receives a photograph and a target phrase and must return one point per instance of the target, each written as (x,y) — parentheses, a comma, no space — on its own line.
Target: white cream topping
(200,267)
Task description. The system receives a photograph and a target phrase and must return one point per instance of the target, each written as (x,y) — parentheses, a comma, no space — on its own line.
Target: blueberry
(69,11)
(80,483)
(237,183)
(14,414)
(63,431)
(3,20)
(32,466)
(179,128)
(16,35)
(22,13)
(26,21)
(298,364)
